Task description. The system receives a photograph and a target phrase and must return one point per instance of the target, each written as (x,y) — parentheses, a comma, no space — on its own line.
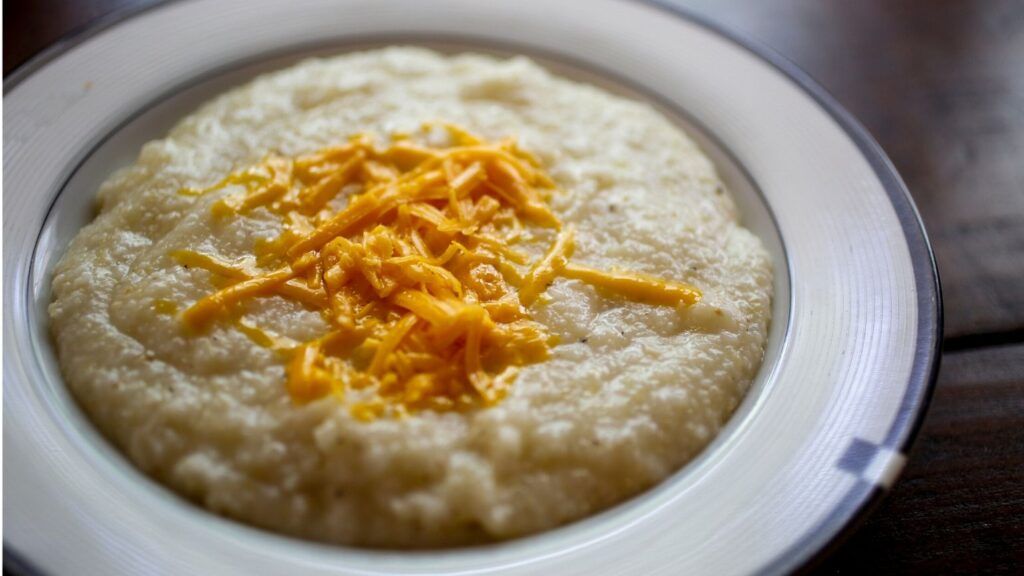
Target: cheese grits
(401,299)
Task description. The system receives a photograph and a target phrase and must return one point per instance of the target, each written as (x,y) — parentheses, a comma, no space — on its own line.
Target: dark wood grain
(940,84)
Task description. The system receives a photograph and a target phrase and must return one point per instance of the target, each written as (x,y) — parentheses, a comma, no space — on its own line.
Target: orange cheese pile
(417,274)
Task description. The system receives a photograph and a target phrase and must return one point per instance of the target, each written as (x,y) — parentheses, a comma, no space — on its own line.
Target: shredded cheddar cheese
(417,274)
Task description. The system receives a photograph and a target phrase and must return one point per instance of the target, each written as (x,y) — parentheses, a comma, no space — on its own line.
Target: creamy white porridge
(629,393)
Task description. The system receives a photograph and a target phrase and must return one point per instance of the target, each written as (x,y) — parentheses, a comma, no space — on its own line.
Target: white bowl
(852,351)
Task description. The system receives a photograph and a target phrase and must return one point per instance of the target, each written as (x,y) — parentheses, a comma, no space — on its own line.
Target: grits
(630,394)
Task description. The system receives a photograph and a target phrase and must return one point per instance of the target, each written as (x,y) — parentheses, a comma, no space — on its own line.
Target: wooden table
(940,84)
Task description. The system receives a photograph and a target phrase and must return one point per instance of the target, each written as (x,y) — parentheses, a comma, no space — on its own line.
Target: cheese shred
(408,253)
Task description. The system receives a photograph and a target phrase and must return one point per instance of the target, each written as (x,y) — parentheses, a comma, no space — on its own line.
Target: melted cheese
(417,275)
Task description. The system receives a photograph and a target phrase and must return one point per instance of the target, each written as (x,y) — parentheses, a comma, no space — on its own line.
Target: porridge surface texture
(630,393)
